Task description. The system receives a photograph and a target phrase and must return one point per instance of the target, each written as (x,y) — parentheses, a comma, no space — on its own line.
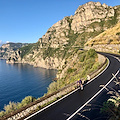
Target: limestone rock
(66,33)
(89,13)
(6,50)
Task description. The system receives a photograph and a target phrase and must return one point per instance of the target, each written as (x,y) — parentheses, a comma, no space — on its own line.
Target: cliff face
(88,21)
(89,13)
(62,39)
(6,50)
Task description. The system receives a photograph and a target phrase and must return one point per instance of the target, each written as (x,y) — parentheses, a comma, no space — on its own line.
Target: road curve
(64,108)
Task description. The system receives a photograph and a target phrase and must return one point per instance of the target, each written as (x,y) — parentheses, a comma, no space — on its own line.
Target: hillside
(6,50)
(110,36)
(89,20)
(107,41)
(59,47)
(94,25)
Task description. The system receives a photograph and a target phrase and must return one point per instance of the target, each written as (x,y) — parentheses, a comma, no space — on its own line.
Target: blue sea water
(20,80)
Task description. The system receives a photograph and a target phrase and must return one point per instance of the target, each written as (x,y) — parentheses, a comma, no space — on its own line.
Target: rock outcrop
(89,13)
(55,47)
(60,47)
(8,49)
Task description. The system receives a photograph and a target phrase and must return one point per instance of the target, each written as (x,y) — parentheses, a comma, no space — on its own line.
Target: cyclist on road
(79,84)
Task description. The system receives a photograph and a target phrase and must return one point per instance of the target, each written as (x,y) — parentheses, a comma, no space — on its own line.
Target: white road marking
(65,95)
(100,72)
(93,97)
(115,57)
(51,104)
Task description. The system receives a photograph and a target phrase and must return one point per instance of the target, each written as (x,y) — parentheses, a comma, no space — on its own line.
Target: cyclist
(79,84)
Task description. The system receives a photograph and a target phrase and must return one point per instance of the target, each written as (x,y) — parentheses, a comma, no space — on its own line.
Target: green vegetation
(75,39)
(111,22)
(69,21)
(112,106)
(110,36)
(84,64)
(58,52)
(50,52)
(26,50)
(118,33)
(72,38)
(3,53)
(70,70)
(36,46)
(12,106)
(77,63)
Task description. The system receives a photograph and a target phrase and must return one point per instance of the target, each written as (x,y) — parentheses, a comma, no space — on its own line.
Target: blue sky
(28,20)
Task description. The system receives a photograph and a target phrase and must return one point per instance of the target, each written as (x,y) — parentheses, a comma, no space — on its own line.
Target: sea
(20,80)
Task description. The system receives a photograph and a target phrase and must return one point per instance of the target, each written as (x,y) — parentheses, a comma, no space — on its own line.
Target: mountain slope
(60,48)
(110,36)
(52,50)
(107,41)
(6,50)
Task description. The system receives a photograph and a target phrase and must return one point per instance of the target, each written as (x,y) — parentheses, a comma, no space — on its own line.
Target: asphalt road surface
(66,107)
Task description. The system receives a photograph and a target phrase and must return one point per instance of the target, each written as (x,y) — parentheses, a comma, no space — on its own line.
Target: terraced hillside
(108,41)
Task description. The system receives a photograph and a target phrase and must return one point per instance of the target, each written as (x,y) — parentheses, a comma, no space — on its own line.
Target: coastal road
(63,109)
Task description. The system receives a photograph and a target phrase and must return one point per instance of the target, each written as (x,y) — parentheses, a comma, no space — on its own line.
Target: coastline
(21,80)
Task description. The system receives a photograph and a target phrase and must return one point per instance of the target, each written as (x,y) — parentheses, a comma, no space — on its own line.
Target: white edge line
(97,92)
(92,97)
(50,105)
(65,95)
(100,72)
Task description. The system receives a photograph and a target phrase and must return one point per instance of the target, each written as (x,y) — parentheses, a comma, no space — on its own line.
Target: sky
(26,21)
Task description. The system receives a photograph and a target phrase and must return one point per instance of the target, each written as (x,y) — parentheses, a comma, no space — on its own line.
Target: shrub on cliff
(80,64)
(52,87)
(91,53)
(70,70)
(2,113)
(26,49)
(82,57)
(12,106)
(118,33)
(27,100)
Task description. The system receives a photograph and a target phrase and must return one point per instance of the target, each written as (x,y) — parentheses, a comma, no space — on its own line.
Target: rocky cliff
(68,35)
(6,50)
(90,13)
(88,21)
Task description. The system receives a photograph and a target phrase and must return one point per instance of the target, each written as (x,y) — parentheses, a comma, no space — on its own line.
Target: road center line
(92,97)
